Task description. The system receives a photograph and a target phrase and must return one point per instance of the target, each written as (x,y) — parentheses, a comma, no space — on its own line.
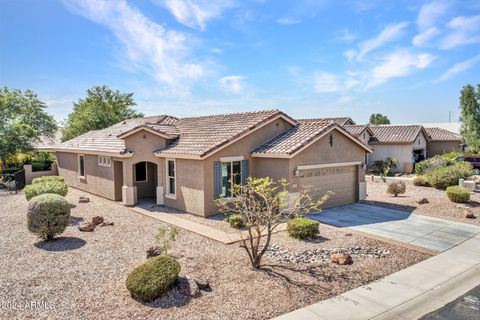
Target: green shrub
(55,187)
(152,278)
(48,178)
(421,181)
(424,166)
(396,188)
(458,194)
(303,228)
(453,155)
(442,178)
(236,221)
(48,215)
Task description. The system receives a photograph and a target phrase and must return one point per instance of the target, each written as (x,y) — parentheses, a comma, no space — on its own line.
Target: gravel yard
(82,275)
(439,205)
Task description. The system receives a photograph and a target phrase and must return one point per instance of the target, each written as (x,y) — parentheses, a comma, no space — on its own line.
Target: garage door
(341,180)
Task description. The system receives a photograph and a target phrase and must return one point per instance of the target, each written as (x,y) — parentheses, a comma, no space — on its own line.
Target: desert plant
(236,221)
(166,235)
(152,278)
(458,194)
(396,188)
(264,204)
(48,215)
(47,179)
(443,177)
(421,181)
(37,189)
(303,228)
(424,166)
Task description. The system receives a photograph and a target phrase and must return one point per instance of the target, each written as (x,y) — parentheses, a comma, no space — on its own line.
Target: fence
(13,181)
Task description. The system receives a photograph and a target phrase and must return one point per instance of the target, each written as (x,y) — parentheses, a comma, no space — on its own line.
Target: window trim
(167,180)
(231,160)
(80,176)
(146,172)
(104,161)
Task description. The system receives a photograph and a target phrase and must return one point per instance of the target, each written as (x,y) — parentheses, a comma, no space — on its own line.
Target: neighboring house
(187,163)
(343,121)
(407,143)
(442,141)
(449,126)
(363,133)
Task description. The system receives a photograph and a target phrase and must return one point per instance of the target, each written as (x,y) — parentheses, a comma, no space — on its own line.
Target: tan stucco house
(186,163)
(443,141)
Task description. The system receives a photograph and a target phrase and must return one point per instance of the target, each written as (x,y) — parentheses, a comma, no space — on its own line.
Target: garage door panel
(340,180)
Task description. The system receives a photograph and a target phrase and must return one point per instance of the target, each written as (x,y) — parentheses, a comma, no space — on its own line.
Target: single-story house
(407,143)
(186,163)
(442,141)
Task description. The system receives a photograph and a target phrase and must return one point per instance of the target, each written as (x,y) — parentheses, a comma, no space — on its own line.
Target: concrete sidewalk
(407,294)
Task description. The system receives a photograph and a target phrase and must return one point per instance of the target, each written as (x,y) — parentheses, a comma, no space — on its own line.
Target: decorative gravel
(81,275)
(439,205)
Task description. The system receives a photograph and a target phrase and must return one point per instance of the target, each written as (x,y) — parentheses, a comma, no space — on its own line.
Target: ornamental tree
(378,118)
(264,204)
(23,121)
(470,116)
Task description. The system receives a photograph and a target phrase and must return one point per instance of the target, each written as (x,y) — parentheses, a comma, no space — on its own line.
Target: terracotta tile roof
(340,120)
(357,129)
(107,140)
(438,134)
(395,134)
(202,135)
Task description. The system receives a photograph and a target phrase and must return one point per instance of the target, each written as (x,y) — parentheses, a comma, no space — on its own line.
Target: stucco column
(160,181)
(129,190)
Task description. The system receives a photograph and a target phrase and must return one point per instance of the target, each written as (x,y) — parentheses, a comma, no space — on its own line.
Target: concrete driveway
(427,232)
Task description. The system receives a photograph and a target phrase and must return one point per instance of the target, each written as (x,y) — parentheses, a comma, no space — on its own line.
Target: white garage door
(340,180)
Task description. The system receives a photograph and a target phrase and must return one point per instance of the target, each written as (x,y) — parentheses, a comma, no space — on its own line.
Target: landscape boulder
(423,201)
(469,215)
(202,283)
(86,227)
(188,287)
(97,220)
(342,259)
(153,252)
(83,199)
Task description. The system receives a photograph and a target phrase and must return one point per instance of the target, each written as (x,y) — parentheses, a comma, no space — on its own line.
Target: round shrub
(303,228)
(396,188)
(421,181)
(444,177)
(151,279)
(48,178)
(458,194)
(48,215)
(37,189)
(236,221)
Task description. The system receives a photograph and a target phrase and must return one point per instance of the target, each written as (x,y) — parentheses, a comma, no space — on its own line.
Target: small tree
(470,116)
(263,205)
(378,118)
(166,235)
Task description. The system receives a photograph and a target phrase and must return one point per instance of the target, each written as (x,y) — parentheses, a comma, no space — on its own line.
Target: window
(231,172)
(81,166)
(141,172)
(104,161)
(171,184)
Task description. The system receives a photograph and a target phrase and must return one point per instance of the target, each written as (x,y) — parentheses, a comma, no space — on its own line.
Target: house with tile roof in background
(186,163)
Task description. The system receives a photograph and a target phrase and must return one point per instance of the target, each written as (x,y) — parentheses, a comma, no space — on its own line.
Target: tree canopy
(470,116)
(378,118)
(23,121)
(101,108)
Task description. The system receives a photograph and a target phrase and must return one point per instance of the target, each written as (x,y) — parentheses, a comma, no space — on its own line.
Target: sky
(309,58)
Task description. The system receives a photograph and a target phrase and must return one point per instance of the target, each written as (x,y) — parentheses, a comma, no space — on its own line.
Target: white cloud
(234,84)
(145,45)
(399,63)
(288,21)
(196,13)
(388,34)
(425,36)
(326,82)
(460,67)
(347,36)
(344,99)
(463,31)
(430,13)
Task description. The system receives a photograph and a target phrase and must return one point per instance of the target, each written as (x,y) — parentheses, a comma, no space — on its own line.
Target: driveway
(427,232)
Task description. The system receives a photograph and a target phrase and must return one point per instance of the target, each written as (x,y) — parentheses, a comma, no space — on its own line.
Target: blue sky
(406,59)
